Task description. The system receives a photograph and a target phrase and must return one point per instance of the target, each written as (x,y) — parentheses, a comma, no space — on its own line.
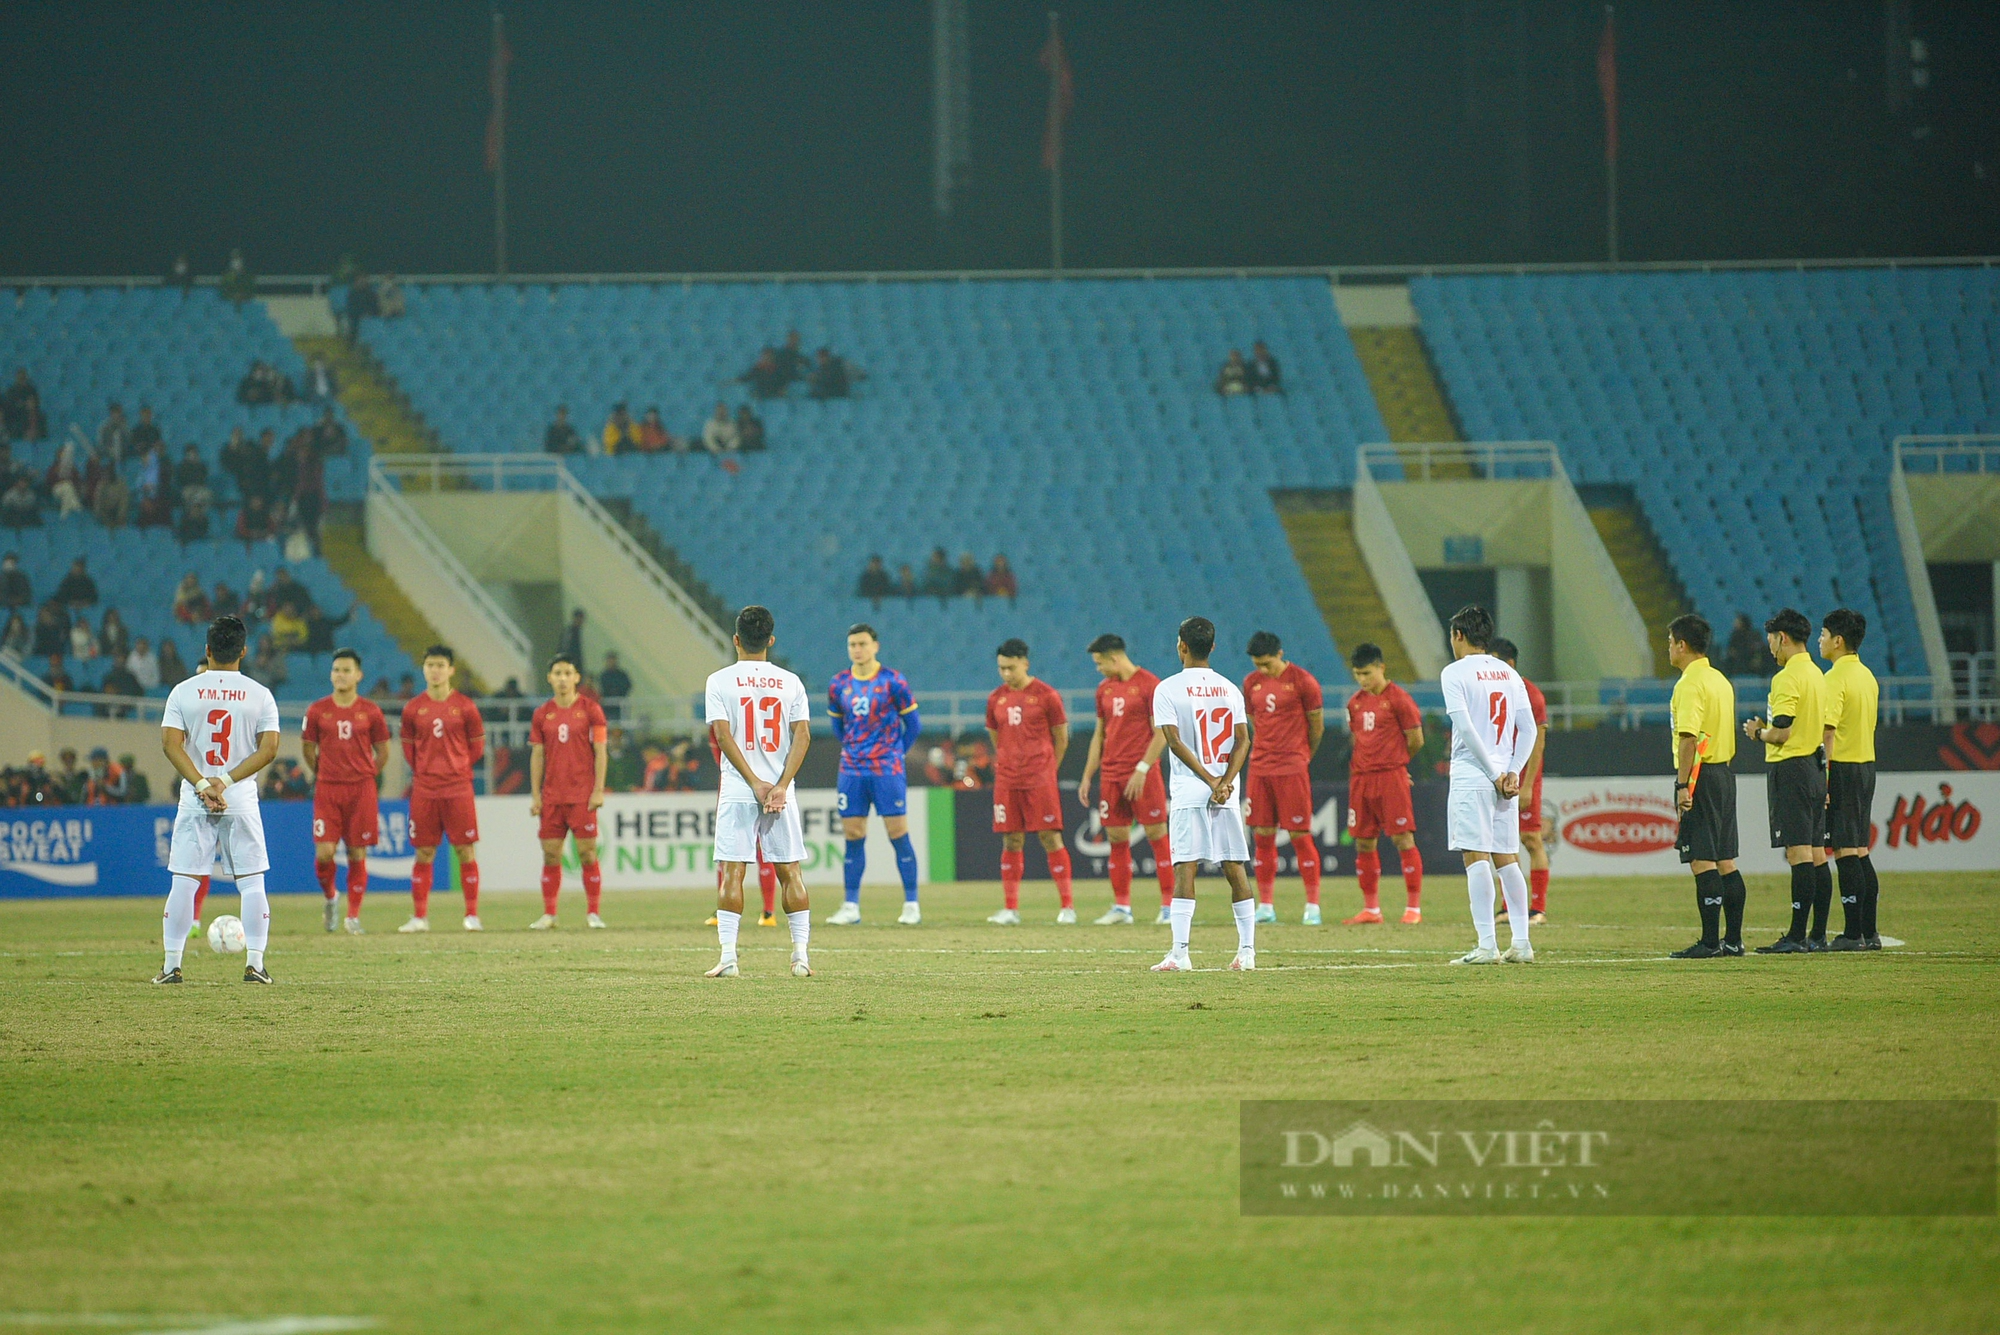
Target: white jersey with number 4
(1489,693)
(223,715)
(760,702)
(1206,707)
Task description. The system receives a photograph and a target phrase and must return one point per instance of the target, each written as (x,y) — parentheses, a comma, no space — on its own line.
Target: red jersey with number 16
(1126,708)
(1277,708)
(569,754)
(346,737)
(1377,723)
(1022,720)
(442,740)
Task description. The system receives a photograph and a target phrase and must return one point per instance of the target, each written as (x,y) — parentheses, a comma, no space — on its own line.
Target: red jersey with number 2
(568,740)
(442,740)
(346,737)
(1022,720)
(1278,707)
(1378,723)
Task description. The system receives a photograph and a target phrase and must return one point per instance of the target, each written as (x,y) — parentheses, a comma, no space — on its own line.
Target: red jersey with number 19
(442,740)
(346,737)
(568,740)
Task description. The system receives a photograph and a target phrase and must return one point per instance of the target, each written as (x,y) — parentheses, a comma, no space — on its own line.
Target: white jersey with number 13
(760,702)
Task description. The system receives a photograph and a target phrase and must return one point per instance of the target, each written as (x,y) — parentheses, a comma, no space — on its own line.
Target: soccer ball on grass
(225,935)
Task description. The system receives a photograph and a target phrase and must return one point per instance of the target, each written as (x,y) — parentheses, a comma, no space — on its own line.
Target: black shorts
(1796,791)
(1708,828)
(1850,798)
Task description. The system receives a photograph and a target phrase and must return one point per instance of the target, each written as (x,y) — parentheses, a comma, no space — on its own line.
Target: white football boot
(1245,961)
(472,923)
(543,923)
(1116,914)
(800,968)
(1066,917)
(416,925)
(354,927)
(1174,963)
(1518,953)
(1005,918)
(912,915)
(1311,916)
(1479,955)
(1166,918)
(846,915)
(725,968)
(333,914)
(595,921)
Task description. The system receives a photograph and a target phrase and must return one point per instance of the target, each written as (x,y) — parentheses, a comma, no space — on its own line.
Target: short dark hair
(1014,647)
(1503,650)
(345,652)
(441,651)
(754,627)
(1365,654)
(1107,643)
(1791,623)
(1849,625)
(863,628)
(565,658)
(1691,630)
(226,638)
(1198,634)
(1474,624)
(1263,644)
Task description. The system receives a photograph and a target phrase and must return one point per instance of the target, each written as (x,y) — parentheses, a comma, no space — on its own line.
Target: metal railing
(1928,456)
(1456,461)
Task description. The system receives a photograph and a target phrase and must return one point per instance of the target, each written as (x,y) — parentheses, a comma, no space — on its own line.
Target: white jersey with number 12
(1206,708)
(223,715)
(1490,693)
(760,702)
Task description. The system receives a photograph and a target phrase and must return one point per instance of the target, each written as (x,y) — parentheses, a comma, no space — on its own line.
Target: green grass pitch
(954,1127)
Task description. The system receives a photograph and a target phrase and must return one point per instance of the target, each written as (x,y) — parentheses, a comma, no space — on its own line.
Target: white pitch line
(193,1325)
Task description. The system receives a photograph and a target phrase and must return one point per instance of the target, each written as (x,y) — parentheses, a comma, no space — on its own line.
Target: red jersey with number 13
(1378,723)
(1277,708)
(442,739)
(1022,720)
(346,737)
(1126,707)
(569,754)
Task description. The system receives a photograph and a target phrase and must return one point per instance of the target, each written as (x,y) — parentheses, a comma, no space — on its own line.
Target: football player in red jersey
(1284,708)
(1387,730)
(1531,795)
(1131,788)
(1030,732)
(443,738)
(570,738)
(346,745)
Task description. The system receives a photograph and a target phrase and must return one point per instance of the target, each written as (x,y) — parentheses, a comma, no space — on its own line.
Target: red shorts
(563,818)
(345,813)
(1114,809)
(452,820)
(1036,808)
(1281,801)
(1378,803)
(1531,808)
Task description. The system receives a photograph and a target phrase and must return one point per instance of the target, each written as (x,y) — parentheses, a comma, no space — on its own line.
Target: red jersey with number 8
(568,740)
(346,737)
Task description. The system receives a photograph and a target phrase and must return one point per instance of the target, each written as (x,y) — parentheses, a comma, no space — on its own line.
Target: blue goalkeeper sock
(857,862)
(906,863)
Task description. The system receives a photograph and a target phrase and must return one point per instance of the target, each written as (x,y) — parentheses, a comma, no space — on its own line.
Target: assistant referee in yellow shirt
(1851,699)
(1704,737)
(1794,783)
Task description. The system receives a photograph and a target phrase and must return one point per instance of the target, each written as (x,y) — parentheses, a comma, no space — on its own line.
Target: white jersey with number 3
(760,702)
(1206,707)
(1489,693)
(223,715)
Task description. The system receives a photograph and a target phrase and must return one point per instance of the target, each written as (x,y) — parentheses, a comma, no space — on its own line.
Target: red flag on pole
(1061,94)
(1607,83)
(496,86)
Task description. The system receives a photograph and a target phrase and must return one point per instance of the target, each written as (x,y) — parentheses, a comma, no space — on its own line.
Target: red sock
(1538,890)
(1368,871)
(420,888)
(1307,852)
(1163,865)
(468,877)
(551,887)
(767,883)
(200,896)
(593,887)
(1121,875)
(357,886)
(324,868)
(1413,875)
(1264,861)
(1012,864)
(1059,870)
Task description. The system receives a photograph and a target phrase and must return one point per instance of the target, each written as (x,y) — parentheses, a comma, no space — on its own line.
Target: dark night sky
(797,136)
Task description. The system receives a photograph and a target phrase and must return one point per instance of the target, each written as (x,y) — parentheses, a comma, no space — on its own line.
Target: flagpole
(1055,170)
(1611,154)
(500,157)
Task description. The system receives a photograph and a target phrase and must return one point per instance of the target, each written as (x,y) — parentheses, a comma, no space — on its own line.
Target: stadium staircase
(1406,389)
(1320,527)
(371,397)
(1642,563)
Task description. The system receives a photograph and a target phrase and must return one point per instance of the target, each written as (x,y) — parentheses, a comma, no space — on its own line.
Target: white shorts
(1479,822)
(230,845)
(741,826)
(1207,833)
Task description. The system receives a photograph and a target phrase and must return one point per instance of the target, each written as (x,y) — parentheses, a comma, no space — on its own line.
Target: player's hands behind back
(1508,786)
(1219,793)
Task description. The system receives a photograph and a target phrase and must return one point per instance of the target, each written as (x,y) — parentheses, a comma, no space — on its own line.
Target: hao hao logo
(1614,822)
(1915,821)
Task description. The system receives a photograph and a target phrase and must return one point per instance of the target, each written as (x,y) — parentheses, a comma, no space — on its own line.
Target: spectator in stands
(329,438)
(82,641)
(143,664)
(285,589)
(113,640)
(52,630)
(1234,378)
(69,777)
(561,437)
(111,501)
(653,434)
(749,429)
(156,493)
(571,642)
(389,303)
(236,462)
(875,583)
(263,385)
(173,668)
(15,639)
(614,683)
(114,435)
(118,680)
(833,377)
(766,381)
(381,690)
(267,665)
(621,433)
(308,487)
(196,503)
(19,506)
(939,582)
(181,275)
(968,581)
(77,589)
(57,677)
(406,687)
(1000,581)
(791,360)
(1749,653)
(22,408)
(191,605)
(138,789)
(226,600)
(321,382)
(238,283)
(361,304)
(288,627)
(718,434)
(16,590)
(191,471)
(106,785)
(65,481)
(906,582)
(253,521)
(320,628)
(146,432)
(1264,375)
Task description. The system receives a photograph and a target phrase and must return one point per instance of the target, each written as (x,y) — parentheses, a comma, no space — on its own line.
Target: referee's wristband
(1681,785)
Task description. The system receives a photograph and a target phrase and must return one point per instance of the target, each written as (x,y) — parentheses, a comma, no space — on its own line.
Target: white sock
(256,913)
(1181,913)
(801,925)
(179,919)
(1246,922)
(726,924)
(1514,885)
(1479,888)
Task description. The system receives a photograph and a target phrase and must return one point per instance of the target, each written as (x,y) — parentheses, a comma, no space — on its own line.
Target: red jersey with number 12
(1378,723)
(1022,720)
(442,740)
(346,737)
(1126,708)
(569,754)
(1277,708)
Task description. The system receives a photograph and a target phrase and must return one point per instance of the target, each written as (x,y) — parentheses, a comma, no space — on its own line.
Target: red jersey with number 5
(1278,707)
(1022,721)
(568,740)
(1377,723)
(442,741)
(346,737)
(1126,709)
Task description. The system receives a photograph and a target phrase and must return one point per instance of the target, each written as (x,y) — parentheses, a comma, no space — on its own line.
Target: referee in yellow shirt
(1704,737)
(1794,783)
(1851,698)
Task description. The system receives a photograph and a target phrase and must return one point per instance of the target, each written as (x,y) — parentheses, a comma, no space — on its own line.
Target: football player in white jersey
(218,730)
(1492,737)
(759,717)
(1198,717)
